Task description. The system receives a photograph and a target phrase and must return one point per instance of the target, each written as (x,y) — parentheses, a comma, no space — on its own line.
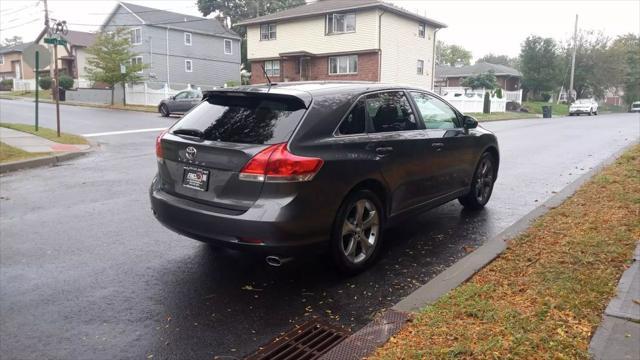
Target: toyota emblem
(191,152)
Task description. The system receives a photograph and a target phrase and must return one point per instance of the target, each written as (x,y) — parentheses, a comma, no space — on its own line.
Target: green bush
(230,84)
(546,96)
(45,83)
(66,82)
(499,93)
(487,103)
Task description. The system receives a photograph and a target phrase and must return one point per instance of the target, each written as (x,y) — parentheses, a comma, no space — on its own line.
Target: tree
(481,81)
(238,10)
(539,64)
(16,40)
(108,54)
(595,69)
(627,48)
(452,54)
(499,59)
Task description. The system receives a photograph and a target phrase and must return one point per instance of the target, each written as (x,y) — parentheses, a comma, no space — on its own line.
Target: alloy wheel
(360,231)
(484,180)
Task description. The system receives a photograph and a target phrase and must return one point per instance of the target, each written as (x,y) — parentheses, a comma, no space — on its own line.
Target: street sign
(29,56)
(54,41)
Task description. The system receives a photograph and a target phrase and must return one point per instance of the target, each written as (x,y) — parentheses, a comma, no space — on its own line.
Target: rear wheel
(356,237)
(164,110)
(590,112)
(481,185)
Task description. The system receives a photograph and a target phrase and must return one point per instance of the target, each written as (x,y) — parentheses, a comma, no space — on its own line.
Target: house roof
(477,68)
(14,48)
(326,6)
(173,20)
(80,38)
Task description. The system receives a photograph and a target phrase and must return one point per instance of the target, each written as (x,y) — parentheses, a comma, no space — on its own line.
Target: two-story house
(179,49)
(11,64)
(367,40)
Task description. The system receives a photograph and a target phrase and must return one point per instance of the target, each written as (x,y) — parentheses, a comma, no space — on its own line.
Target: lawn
(544,296)
(42,94)
(47,133)
(509,115)
(10,153)
(535,107)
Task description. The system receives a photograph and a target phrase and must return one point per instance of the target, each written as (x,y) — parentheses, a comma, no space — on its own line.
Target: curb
(466,267)
(87,105)
(42,161)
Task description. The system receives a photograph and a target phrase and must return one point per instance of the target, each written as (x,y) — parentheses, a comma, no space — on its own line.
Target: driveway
(87,272)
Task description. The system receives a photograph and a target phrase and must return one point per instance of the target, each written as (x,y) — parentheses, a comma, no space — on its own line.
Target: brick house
(367,40)
(507,77)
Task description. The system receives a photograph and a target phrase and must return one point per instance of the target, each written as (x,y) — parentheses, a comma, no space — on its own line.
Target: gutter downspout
(433,62)
(380,46)
(167,39)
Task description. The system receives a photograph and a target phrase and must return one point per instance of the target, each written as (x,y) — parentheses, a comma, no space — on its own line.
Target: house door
(304,68)
(18,72)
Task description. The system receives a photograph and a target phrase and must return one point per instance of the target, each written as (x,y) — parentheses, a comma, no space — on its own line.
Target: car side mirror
(469,122)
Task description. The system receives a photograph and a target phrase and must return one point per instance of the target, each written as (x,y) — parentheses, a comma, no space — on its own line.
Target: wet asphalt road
(87,272)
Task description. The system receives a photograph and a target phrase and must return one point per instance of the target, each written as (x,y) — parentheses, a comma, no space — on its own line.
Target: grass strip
(10,153)
(502,116)
(544,296)
(47,133)
(535,107)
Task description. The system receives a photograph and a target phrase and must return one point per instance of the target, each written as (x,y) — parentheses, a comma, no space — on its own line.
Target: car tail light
(277,164)
(159,152)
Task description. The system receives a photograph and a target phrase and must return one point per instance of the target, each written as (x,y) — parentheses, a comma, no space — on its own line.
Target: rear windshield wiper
(189,132)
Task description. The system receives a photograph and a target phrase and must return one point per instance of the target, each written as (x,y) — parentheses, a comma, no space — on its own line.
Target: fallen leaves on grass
(544,296)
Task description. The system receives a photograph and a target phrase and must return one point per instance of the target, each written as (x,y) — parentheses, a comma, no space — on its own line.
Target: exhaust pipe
(277,261)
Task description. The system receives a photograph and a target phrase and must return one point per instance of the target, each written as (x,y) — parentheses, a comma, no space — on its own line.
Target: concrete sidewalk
(618,336)
(32,143)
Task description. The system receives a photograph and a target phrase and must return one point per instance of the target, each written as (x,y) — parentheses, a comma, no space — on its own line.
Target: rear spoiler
(303,97)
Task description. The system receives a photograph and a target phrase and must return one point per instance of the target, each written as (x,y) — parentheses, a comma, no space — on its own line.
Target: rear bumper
(278,232)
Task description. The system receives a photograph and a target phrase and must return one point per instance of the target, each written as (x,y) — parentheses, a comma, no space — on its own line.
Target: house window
(268,32)
(272,67)
(187,39)
(227,47)
(136,36)
(421,30)
(188,66)
(341,23)
(1,59)
(135,61)
(420,67)
(339,65)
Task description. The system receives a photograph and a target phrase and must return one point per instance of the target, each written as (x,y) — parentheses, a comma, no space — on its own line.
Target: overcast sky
(497,26)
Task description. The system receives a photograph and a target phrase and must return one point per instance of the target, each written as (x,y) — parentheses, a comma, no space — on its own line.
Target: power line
(14,11)
(15,26)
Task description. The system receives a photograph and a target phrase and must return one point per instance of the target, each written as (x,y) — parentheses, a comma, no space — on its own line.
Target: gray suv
(292,167)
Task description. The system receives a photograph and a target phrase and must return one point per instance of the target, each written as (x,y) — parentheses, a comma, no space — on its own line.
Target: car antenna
(265,75)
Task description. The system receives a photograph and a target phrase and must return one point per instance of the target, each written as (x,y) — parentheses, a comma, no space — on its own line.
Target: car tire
(164,110)
(590,112)
(481,187)
(359,221)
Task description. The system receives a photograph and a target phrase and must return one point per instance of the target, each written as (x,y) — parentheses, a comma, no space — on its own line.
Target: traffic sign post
(37,56)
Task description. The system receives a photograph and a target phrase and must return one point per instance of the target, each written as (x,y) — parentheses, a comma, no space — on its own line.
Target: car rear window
(245,118)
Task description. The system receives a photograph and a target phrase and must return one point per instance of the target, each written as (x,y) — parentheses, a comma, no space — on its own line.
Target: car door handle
(438,146)
(383,151)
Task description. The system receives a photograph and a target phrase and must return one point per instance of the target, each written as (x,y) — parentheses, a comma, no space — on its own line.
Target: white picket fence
(142,94)
(24,84)
(509,96)
(474,103)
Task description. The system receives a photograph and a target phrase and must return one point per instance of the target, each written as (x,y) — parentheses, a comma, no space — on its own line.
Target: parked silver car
(180,103)
(635,107)
(584,106)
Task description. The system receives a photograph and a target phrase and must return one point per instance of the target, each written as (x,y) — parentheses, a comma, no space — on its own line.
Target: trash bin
(62,94)
(546,112)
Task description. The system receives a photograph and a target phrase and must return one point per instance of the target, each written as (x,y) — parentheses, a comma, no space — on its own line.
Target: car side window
(390,111)
(354,123)
(435,113)
(182,95)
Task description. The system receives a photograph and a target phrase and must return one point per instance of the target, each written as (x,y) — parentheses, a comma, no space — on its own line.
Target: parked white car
(584,106)
(635,107)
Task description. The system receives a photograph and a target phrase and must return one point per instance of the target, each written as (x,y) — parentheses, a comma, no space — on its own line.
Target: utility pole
(573,60)
(47,27)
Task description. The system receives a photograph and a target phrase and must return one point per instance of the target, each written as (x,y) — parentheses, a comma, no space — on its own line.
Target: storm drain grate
(306,342)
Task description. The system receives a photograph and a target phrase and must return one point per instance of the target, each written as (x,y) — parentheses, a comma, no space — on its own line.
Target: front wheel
(356,237)
(164,110)
(590,112)
(481,184)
